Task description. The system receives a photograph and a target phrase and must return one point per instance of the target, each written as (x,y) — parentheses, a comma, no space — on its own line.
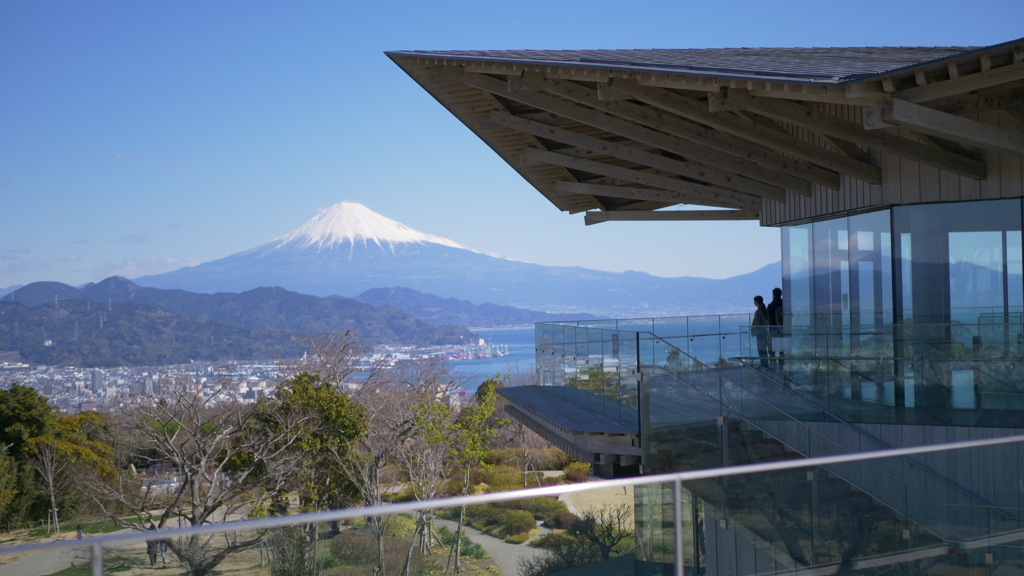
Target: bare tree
(205,463)
(332,356)
(52,463)
(370,466)
(423,461)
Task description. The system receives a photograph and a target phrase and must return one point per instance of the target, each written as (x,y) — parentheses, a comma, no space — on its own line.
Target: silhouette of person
(759,329)
(774,310)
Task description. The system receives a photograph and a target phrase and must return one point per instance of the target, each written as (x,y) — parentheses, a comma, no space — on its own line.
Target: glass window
(796,272)
(965,261)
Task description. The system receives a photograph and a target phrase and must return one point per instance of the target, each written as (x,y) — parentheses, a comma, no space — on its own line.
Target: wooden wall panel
(903,181)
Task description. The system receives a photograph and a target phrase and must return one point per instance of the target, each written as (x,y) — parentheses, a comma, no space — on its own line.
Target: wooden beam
(686,148)
(708,195)
(961,130)
(629,154)
(623,192)
(832,125)
(680,140)
(851,150)
(591,218)
(962,84)
(788,144)
(1015,117)
(981,102)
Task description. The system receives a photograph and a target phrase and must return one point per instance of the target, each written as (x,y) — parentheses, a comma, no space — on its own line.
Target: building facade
(896,177)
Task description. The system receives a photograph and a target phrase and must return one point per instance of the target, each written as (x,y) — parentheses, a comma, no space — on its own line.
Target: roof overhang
(624,134)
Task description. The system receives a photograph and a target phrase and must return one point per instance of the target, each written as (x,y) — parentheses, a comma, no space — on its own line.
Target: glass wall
(959,261)
(949,263)
(839,271)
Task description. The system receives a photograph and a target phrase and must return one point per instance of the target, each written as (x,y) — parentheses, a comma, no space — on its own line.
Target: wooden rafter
(832,125)
(707,194)
(624,192)
(630,154)
(591,218)
(662,136)
(963,84)
(685,148)
(935,123)
(694,110)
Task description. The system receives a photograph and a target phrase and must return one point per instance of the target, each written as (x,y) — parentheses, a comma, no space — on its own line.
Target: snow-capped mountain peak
(352,222)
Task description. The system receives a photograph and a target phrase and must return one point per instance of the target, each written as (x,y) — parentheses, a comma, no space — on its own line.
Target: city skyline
(141,138)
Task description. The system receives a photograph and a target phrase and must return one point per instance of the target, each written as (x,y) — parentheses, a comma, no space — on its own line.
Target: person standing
(774,310)
(152,547)
(759,329)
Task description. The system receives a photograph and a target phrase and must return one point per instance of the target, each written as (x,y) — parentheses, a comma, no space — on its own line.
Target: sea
(521,356)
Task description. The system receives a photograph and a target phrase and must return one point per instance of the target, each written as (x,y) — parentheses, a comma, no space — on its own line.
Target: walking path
(46,562)
(504,554)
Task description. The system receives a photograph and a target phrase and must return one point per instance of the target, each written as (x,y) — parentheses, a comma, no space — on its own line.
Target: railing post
(677,520)
(96,563)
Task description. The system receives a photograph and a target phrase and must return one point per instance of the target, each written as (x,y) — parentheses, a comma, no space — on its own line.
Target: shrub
(541,508)
(582,467)
(518,538)
(469,548)
(400,525)
(515,522)
(575,476)
(356,555)
(552,480)
(561,520)
(502,478)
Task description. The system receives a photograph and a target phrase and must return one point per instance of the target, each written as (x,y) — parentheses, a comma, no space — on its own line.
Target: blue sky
(137,137)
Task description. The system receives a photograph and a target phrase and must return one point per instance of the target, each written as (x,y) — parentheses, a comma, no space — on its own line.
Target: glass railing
(934,374)
(761,420)
(688,407)
(778,516)
(923,374)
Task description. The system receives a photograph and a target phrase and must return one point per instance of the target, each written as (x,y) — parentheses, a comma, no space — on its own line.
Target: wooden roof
(621,134)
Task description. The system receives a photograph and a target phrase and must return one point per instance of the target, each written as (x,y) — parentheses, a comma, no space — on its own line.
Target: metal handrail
(787,358)
(417,506)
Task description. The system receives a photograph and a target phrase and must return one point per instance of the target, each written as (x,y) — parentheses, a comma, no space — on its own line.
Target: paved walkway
(504,554)
(46,562)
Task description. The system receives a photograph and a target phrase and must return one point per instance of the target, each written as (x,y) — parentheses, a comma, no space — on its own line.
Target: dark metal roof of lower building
(547,402)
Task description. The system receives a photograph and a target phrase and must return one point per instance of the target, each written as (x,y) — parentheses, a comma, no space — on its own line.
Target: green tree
(64,453)
(24,415)
(468,437)
(8,482)
(336,421)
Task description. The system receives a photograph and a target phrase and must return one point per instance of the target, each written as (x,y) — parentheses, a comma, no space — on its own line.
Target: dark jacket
(758,327)
(775,314)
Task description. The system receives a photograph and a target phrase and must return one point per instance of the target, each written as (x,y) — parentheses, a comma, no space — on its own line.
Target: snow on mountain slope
(349,223)
(348,249)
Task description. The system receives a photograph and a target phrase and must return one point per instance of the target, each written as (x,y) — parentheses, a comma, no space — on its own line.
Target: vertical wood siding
(903,181)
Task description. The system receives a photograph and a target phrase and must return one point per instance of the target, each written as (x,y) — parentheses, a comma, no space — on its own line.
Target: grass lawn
(84,571)
(89,528)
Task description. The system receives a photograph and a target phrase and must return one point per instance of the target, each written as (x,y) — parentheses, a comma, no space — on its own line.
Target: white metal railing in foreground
(96,544)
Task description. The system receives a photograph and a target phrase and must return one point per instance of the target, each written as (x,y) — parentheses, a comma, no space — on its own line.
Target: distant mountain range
(83,333)
(348,249)
(271,308)
(443,311)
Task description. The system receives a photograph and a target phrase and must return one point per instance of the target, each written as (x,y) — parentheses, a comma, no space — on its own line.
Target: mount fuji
(347,249)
